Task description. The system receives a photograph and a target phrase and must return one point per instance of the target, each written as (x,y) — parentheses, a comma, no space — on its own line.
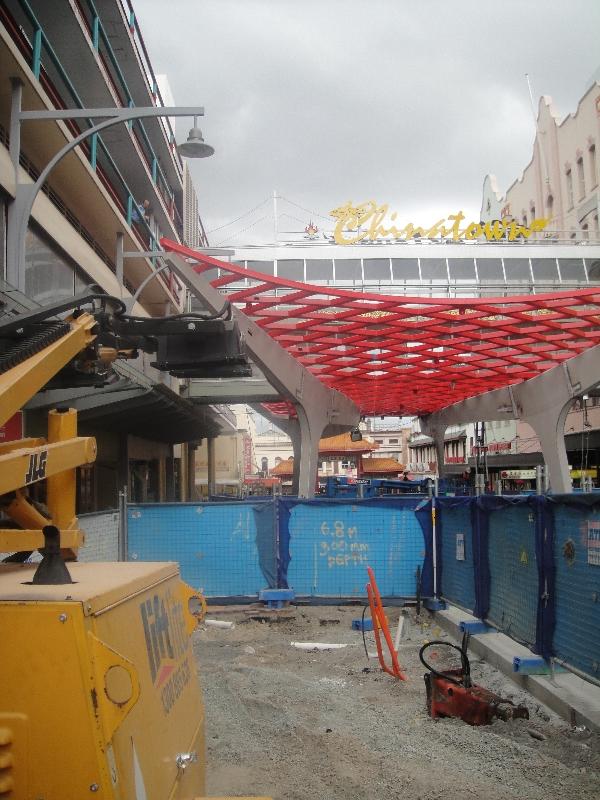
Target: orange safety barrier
(380,624)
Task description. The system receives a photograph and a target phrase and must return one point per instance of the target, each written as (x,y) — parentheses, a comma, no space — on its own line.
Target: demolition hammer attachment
(450,692)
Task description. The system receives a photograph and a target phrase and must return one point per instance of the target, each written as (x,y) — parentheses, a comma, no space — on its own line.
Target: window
(319,269)
(593,268)
(49,277)
(593,173)
(267,267)
(376,269)
(392,441)
(525,223)
(490,269)
(580,178)
(405,269)
(585,231)
(532,210)
(348,269)
(550,206)
(461,269)
(544,269)
(517,269)
(291,268)
(571,269)
(569,178)
(434,269)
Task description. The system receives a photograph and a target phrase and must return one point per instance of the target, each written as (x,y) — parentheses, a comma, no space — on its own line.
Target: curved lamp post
(25,193)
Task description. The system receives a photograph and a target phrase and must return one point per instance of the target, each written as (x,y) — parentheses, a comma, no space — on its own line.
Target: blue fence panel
(226,549)
(331,543)
(457,569)
(577,585)
(513,572)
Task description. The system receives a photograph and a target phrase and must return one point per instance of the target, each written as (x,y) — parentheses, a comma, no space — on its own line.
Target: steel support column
(437,430)
(319,410)
(543,402)
(211,483)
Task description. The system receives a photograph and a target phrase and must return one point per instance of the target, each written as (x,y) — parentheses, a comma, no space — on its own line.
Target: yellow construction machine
(99,696)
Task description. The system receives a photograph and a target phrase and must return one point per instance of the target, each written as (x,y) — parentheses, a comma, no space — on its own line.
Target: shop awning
(134,404)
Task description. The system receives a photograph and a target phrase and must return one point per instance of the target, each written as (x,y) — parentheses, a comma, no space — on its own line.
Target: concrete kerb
(575,700)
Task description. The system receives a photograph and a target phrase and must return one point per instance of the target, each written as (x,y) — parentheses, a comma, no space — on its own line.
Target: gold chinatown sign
(351,220)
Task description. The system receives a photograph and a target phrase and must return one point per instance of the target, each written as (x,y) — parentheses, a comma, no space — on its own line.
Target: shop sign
(247,442)
(460,547)
(369,221)
(499,447)
(584,473)
(518,474)
(593,542)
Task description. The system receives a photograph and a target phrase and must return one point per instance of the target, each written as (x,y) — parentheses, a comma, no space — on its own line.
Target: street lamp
(25,193)
(195,146)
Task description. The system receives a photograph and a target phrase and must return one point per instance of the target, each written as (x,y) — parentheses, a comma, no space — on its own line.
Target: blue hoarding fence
(326,545)
(530,566)
(319,548)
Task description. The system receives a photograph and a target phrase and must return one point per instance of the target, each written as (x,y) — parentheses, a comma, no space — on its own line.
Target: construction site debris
(267,717)
(219,623)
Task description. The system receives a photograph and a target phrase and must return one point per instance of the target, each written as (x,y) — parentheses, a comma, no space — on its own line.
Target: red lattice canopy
(396,355)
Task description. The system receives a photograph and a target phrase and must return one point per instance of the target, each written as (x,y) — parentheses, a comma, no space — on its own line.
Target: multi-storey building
(560,181)
(125,184)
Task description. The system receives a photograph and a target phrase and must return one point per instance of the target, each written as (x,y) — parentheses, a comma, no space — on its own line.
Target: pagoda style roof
(381,466)
(342,443)
(283,469)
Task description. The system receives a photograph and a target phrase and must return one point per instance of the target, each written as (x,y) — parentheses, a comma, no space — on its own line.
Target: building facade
(124,185)
(560,181)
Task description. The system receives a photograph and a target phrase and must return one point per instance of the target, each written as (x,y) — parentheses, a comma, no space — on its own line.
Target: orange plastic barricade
(380,624)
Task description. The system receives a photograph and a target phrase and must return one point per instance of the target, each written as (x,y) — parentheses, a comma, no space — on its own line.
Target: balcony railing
(29,37)
(103,47)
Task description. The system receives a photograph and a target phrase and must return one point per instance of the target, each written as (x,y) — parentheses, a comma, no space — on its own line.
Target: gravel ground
(331,725)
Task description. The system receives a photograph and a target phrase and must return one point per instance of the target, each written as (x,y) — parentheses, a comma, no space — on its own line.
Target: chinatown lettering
(352,219)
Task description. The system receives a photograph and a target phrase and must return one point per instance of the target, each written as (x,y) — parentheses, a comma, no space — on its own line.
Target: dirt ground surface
(330,725)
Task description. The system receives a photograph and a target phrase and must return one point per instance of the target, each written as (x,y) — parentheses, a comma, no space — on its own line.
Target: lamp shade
(195,146)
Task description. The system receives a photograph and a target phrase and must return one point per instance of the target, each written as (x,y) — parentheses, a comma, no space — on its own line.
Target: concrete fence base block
(535,666)
(475,626)
(572,698)
(276,598)
(362,624)
(433,604)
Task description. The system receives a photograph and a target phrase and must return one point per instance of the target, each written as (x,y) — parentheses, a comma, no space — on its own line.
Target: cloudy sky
(409,102)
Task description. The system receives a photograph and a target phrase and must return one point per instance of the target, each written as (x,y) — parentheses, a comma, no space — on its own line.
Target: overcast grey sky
(409,102)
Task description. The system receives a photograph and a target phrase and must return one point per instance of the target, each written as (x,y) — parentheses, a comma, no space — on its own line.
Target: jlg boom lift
(98,690)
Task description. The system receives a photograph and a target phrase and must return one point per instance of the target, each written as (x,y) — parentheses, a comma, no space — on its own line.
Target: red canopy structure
(396,355)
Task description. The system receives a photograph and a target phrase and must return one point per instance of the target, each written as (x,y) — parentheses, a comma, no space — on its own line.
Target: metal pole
(539,480)
(123,532)
(119,261)
(434,546)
